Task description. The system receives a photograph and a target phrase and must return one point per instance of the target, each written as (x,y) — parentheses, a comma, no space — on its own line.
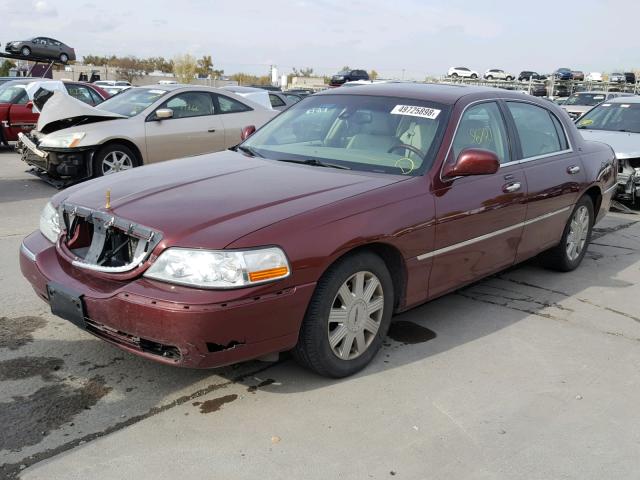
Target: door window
(230,105)
(537,129)
(482,126)
(276,101)
(190,104)
(81,93)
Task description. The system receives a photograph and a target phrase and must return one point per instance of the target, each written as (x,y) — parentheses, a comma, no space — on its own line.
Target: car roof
(435,92)
(631,99)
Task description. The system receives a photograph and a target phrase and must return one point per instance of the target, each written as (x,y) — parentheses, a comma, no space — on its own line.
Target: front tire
(113,158)
(454,75)
(347,318)
(568,254)
(25,52)
(64,58)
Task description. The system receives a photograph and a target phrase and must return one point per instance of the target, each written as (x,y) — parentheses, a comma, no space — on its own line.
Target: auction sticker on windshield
(415,111)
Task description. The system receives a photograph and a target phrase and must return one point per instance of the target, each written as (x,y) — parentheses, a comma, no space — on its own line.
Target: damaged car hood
(624,144)
(211,200)
(62,111)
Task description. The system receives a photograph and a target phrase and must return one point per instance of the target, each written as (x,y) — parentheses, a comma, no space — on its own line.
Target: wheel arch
(393,260)
(595,194)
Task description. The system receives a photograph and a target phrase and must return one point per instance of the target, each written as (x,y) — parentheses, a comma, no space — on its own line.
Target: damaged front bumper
(628,182)
(172,324)
(59,166)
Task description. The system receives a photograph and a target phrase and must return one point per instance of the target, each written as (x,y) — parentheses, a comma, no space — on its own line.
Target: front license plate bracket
(67,304)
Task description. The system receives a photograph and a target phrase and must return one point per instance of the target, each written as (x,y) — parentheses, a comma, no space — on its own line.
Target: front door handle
(511,187)
(573,169)
(211,130)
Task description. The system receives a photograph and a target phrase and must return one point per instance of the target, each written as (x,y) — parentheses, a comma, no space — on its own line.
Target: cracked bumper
(208,328)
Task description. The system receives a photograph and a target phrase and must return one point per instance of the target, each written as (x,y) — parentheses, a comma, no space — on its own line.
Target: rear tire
(489,77)
(568,254)
(474,76)
(347,318)
(509,79)
(114,158)
(25,52)
(64,58)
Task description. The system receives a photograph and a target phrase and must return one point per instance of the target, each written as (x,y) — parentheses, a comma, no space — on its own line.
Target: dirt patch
(27,367)
(26,420)
(16,332)
(409,333)
(215,404)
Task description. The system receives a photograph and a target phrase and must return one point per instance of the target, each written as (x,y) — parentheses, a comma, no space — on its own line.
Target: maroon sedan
(350,206)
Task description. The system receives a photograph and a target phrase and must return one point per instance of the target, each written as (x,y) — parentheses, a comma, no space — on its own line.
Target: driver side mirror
(163,114)
(473,161)
(29,105)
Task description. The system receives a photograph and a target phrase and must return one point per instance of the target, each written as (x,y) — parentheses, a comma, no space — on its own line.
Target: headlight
(70,140)
(219,268)
(50,223)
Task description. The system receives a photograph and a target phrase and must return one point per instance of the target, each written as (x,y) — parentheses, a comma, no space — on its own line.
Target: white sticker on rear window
(606,104)
(157,92)
(598,97)
(415,111)
(625,106)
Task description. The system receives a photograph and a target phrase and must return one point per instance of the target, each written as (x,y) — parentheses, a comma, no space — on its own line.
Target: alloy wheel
(578,231)
(355,316)
(116,161)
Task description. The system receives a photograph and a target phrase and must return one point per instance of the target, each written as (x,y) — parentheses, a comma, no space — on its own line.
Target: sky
(397,38)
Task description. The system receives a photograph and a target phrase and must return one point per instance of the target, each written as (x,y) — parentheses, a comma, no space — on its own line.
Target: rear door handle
(573,169)
(511,187)
(211,130)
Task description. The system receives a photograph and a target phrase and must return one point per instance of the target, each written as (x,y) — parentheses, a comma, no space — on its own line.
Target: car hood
(211,200)
(624,144)
(63,111)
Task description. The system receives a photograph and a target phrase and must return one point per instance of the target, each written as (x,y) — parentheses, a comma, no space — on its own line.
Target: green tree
(205,65)
(303,72)
(185,68)
(5,67)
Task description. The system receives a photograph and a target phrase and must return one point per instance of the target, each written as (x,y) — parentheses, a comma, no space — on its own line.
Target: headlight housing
(70,140)
(50,223)
(220,269)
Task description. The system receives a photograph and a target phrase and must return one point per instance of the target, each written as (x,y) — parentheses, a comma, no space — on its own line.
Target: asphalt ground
(529,374)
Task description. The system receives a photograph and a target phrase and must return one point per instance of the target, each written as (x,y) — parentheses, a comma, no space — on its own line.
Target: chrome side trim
(486,236)
(27,253)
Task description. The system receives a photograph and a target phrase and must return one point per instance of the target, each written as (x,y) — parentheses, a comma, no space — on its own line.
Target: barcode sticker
(415,111)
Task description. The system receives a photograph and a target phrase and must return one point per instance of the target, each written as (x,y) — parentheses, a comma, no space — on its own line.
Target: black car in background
(527,75)
(341,78)
(42,47)
(630,77)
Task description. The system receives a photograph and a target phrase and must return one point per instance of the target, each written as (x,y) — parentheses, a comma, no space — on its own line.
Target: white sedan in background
(463,72)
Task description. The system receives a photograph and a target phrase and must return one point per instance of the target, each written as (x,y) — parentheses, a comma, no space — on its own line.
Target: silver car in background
(141,125)
(617,123)
(580,103)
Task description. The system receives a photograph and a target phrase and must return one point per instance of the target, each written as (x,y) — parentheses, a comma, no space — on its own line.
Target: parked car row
(74,141)
(527,75)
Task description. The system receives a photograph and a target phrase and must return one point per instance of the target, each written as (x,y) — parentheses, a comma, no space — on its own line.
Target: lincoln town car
(351,206)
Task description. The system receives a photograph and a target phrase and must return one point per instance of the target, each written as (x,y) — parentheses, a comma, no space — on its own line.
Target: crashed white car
(74,141)
(617,123)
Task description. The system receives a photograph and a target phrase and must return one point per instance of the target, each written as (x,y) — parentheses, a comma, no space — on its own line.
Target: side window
(80,93)
(482,126)
(276,101)
(95,98)
(230,105)
(22,99)
(190,104)
(537,131)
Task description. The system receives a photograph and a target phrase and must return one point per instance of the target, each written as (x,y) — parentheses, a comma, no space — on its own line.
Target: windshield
(586,99)
(615,117)
(133,101)
(360,132)
(8,94)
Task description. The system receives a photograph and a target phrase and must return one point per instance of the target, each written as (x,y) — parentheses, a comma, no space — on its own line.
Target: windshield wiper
(314,162)
(249,150)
